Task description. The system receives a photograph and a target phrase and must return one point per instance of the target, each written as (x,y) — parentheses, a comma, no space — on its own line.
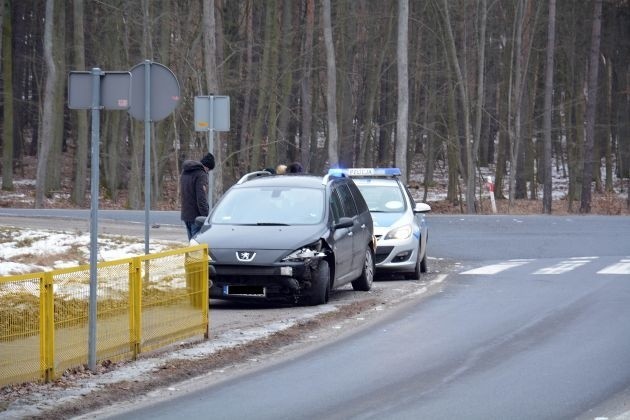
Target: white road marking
(497,268)
(622,267)
(565,266)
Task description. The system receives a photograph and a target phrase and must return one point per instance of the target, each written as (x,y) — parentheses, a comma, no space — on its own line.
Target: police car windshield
(272,206)
(382,198)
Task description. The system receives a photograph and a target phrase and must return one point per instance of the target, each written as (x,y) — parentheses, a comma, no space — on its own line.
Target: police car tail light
(402,232)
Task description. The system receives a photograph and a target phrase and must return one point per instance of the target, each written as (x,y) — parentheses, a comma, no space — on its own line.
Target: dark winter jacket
(194,191)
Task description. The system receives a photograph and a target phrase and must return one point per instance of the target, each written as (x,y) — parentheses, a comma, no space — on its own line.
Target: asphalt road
(533,325)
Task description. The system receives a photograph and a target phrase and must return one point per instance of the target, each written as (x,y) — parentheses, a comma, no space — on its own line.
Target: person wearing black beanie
(208,161)
(194,191)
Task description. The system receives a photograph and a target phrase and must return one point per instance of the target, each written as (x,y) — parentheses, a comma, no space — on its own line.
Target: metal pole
(147,151)
(211,150)
(94,189)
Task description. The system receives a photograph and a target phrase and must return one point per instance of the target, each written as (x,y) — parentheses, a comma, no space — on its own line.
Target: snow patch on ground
(18,243)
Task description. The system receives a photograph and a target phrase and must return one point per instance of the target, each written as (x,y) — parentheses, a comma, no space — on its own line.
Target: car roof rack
(252,175)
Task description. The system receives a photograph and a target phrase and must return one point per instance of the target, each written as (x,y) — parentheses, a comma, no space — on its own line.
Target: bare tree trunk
(521,53)
(402,121)
(305,86)
(591,102)
(551,38)
(503,102)
(452,145)
(53,178)
(47,124)
(212,85)
(7,103)
(286,85)
(462,88)
(610,127)
(366,149)
(265,86)
(481,61)
(81,134)
(345,67)
(245,137)
(2,11)
(271,158)
(331,87)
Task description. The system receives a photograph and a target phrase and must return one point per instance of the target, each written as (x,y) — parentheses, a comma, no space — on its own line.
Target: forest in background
(517,85)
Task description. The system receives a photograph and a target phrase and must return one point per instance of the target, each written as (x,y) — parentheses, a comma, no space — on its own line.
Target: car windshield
(382,198)
(270,206)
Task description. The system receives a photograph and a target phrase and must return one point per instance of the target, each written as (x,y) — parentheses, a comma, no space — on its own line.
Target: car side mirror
(344,222)
(200,220)
(421,208)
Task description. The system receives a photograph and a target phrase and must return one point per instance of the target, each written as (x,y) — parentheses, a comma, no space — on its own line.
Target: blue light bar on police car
(365,171)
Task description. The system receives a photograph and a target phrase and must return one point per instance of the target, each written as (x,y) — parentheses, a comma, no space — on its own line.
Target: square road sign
(115,90)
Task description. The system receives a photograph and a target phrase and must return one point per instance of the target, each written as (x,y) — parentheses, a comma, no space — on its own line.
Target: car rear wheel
(320,288)
(364,282)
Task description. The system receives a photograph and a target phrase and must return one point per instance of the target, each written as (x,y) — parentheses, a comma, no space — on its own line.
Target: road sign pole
(147,151)
(149,107)
(94,190)
(84,92)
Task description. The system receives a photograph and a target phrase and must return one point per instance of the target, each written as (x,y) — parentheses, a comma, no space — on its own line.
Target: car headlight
(402,232)
(307,252)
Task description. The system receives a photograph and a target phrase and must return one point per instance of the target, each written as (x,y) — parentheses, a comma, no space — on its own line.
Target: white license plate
(238,290)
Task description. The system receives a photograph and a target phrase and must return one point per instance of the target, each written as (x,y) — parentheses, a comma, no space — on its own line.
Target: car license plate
(239,290)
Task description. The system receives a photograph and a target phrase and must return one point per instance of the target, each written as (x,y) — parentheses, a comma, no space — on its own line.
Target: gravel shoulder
(242,337)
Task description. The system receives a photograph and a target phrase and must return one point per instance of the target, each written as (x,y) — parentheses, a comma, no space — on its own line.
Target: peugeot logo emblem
(245,256)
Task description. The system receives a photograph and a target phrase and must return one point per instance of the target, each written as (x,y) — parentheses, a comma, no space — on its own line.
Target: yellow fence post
(135,321)
(47,327)
(194,281)
(196,266)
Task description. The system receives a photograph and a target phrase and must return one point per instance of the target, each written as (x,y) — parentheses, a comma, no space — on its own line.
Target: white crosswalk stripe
(622,267)
(565,266)
(570,264)
(497,268)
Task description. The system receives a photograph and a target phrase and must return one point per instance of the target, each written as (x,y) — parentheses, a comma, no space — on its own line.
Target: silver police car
(399,222)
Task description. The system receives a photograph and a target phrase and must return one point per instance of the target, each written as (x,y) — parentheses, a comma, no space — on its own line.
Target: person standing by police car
(194,191)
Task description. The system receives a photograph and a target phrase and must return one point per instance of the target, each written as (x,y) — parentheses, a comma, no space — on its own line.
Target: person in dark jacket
(295,168)
(194,191)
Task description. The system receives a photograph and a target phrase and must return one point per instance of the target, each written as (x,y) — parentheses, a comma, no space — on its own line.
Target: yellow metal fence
(143,303)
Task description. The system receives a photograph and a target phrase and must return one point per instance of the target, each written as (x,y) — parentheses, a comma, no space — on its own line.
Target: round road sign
(163,95)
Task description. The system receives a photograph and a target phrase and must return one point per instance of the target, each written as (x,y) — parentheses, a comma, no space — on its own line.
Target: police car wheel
(423,263)
(415,274)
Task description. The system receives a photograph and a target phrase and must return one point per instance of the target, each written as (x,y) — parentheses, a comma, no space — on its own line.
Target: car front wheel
(364,282)
(415,275)
(320,288)
(423,263)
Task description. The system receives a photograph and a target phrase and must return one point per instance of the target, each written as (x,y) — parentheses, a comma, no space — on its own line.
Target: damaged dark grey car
(288,238)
